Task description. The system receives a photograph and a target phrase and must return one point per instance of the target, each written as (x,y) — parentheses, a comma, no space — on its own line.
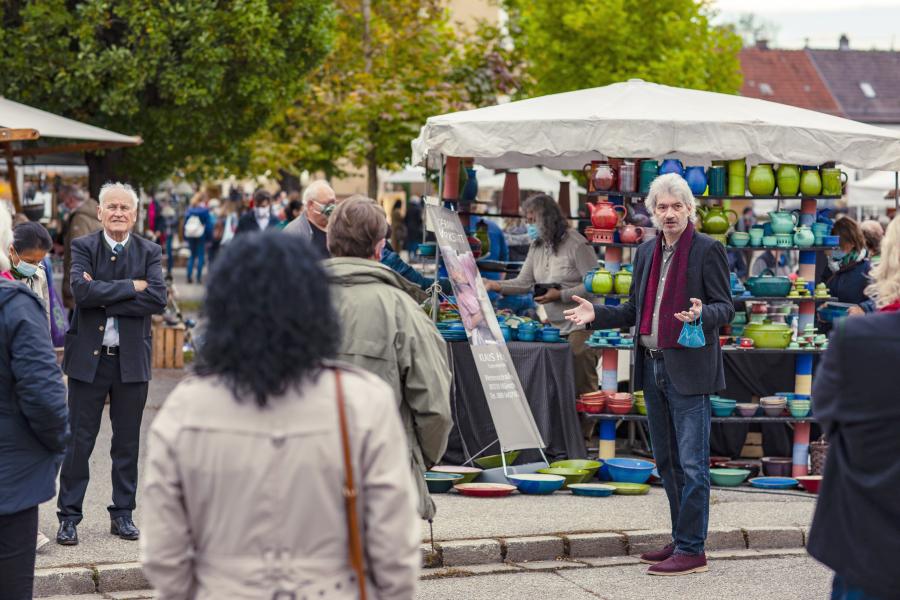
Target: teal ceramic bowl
(591,466)
(441,483)
(537,483)
(728,477)
(571,475)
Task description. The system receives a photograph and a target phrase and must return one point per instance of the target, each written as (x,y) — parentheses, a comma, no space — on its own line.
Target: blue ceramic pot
(470,192)
(696,178)
(671,165)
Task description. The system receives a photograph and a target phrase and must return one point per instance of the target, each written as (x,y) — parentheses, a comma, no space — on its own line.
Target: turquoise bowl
(537,483)
(728,477)
(441,483)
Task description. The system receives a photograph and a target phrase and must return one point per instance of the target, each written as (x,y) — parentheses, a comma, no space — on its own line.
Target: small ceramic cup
(770,241)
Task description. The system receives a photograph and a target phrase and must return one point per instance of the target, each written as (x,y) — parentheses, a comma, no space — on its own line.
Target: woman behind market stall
(849,266)
(562,256)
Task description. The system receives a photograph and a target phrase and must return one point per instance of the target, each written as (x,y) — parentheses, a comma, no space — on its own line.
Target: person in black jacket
(261,217)
(849,264)
(34,429)
(118,283)
(679,278)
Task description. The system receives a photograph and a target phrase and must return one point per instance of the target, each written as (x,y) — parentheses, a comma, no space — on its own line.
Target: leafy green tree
(574,44)
(394,64)
(194,78)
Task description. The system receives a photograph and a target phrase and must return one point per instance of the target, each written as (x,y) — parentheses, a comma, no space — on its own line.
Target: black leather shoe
(67,534)
(124,528)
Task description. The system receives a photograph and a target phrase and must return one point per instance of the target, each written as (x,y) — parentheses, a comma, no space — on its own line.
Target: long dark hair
(550,220)
(270,318)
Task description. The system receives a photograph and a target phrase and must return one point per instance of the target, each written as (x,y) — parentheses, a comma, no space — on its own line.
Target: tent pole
(435,296)
(896,192)
(11,174)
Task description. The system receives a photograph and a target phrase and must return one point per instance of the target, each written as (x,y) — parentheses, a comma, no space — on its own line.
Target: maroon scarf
(675,297)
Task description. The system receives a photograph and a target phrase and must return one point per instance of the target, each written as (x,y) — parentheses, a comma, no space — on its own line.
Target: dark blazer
(112,294)
(692,370)
(248,222)
(34,417)
(856,527)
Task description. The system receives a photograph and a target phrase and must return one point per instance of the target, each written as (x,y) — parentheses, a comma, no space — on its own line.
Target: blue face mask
(838,254)
(532,231)
(26,269)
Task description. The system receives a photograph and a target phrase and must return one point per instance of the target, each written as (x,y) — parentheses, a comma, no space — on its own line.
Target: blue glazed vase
(696,178)
(470,191)
(671,165)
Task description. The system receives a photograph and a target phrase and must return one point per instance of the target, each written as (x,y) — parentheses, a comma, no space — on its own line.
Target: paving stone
(470,552)
(644,541)
(774,537)
(542,547)
(725,539)
(551,565)
(488,569)
(596,544)
(121,577)
(441,573)
(611,561)
(430,558)
(64,580)
(131,595)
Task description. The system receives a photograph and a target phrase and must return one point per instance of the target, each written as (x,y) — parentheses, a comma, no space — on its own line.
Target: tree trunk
(372,174)
(102,168)
(289,182)
(371,158)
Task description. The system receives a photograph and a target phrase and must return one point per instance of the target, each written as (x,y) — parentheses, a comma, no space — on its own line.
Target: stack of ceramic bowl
(799,407)
(747,409)
(776,466)
(773,406)
(593,403)
(620,403)
(639,403)
(722,407)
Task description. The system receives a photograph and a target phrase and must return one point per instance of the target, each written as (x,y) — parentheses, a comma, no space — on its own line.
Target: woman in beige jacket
(245,467)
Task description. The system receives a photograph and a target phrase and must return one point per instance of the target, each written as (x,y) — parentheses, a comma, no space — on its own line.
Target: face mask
(532,231)
(26,269)
(838,254)
(262,212)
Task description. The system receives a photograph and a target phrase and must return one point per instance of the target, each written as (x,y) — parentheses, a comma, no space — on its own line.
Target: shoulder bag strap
(350,494)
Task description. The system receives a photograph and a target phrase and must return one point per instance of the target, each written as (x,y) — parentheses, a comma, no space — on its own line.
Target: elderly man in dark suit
(117,283)
(679,277)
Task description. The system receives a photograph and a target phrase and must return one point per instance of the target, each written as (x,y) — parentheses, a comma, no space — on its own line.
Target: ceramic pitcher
(833,181)
(788,177)
(810,182)
(762,180)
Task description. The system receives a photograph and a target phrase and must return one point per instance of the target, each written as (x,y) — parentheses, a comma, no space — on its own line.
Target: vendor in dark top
(680,277)
(849,267)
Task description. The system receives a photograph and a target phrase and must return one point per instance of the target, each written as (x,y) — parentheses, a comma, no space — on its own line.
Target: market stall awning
(640,119)
(876,190)
(534,179)
(14,114)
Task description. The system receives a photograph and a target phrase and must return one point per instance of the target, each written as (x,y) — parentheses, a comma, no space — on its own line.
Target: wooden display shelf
(615,244)
(739,350)
(784,298)
(802,249)
(767,197)
(168,346)
(636,417)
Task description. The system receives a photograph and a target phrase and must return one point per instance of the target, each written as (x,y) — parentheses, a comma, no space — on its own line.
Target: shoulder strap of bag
(350,494)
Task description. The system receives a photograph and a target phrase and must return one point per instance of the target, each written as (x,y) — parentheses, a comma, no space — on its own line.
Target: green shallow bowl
(728,477)
(494,461)
(588,465)
(469,473)
(571,475)
(629,489)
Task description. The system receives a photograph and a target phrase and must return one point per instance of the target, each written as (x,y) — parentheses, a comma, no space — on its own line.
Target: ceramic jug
(599,281)
(696,178)
(810,182)
(470,190)
(782,221)
(737,176)
(788,180)
(804,237)
(833,181)
(649,171)
(604,216)
(715,219)
(623,282)
(671,165)
(628,177)
(629,234)
(762,180)
(718,180)
(600,176)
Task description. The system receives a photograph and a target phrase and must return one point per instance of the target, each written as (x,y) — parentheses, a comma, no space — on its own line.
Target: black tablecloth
(548,379)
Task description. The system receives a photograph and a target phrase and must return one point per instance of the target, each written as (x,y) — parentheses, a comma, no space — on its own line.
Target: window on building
(765,89)
(867,89)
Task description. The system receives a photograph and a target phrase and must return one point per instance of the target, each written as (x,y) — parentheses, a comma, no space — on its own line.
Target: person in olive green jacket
(386,332)
(83,219)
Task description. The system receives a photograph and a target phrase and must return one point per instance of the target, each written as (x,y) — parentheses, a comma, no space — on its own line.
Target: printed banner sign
(506,400)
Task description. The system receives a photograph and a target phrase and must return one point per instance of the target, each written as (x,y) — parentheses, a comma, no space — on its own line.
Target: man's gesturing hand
(581,314)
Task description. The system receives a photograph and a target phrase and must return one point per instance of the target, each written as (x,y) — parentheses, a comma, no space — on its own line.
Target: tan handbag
(350,494)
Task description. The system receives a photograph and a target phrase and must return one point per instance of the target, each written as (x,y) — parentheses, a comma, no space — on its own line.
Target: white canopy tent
(872,191)
(636,118)
(80,137)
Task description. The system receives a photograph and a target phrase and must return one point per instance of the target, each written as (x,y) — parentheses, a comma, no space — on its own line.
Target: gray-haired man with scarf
(679,278)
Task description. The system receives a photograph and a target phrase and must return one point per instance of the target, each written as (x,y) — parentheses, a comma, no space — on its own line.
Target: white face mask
(262,212)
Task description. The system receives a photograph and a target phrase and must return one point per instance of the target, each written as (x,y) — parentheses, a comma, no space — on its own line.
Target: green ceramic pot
(788,177)
(623,282)
(810,183)
(768,335)
(762,180)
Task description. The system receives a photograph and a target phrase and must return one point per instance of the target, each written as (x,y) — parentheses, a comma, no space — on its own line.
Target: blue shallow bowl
(629,470)
(440,483)
(774,483)
(537,483)
(597,490)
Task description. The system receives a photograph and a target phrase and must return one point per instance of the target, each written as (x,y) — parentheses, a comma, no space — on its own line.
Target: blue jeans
(679,433)
(841,589)
(198,251)
(170,258)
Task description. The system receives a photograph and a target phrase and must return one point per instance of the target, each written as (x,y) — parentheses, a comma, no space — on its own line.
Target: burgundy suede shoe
(680,564)
(657,556)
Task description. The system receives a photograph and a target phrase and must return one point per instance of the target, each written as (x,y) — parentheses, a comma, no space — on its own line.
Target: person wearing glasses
(318,202)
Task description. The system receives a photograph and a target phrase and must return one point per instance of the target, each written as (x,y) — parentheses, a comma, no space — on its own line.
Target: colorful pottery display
(485,490)
(649,171)
(737,176)
(629,234)
(671,165)
(833,181)
(622,283)
(810,182)
(788,177)
(715,219)
(696,179)
(783,221)
(605,215)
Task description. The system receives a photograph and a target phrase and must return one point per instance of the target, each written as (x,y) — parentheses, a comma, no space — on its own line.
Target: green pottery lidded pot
(788,177)
(810,182)
(715,219)
(762,180)
(623,282)
(599,281)
(804,237)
